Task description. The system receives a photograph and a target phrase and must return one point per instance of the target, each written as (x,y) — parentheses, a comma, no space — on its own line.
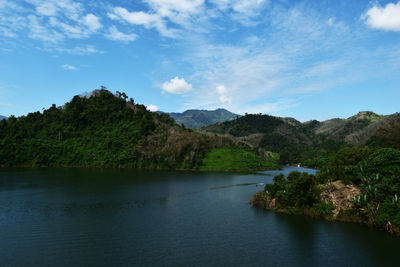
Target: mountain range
(106,129)
(2,117)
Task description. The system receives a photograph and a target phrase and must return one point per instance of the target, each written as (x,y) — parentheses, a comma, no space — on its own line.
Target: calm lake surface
(109,217)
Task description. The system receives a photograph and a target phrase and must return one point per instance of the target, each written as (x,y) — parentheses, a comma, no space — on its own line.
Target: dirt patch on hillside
(340,194)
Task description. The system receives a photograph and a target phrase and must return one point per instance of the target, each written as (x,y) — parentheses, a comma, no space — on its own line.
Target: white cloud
(68,8)
(383,18)
(49,21)
(223,94)
(177,86)
(71,31)
(47,9)
(80,50)
(162,13)
(139,18)
(37,31)
(177,11)
(152,108)
(69,67)
(147,20)
(92,22)
(293,58)
(249,7)
(115,34)
(168,7)
(243,11)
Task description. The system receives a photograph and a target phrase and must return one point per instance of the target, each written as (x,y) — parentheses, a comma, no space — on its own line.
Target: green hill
(104,130)
(309,142)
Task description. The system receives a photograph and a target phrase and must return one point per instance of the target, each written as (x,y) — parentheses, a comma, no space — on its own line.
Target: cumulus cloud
(177,86)
(223,94)
(144,19)
(92,22)
(69,67)
(115,34)
(383,18)
(152,108)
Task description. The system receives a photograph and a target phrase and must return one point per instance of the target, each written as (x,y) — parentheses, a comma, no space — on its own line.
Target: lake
(123,217)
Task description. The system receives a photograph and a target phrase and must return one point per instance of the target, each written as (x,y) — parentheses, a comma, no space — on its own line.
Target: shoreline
(136,168)
(260,200)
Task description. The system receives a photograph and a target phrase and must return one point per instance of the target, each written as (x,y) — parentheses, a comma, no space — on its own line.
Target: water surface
(95,217)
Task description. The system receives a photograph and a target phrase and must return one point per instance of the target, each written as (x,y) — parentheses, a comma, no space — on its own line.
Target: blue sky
(303,59)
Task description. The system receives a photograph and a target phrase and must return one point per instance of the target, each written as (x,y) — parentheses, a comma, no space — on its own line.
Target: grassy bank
(235,159)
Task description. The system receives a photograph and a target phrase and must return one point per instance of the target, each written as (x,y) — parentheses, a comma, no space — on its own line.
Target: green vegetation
(234,159)
(103,130)
(294,141)
(359,164)
(246,125)
(311,143)
(297,190)
(377,173)
(374,172)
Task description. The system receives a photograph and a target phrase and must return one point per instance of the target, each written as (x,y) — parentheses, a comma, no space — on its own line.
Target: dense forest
(106,130)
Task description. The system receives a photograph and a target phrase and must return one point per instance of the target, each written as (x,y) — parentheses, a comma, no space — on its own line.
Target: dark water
(85,217)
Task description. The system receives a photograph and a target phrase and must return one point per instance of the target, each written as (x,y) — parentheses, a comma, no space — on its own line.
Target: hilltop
(194,118)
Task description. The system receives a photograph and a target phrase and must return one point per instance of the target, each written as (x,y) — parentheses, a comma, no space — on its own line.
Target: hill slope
(340,129)
(300,142)
(199,118)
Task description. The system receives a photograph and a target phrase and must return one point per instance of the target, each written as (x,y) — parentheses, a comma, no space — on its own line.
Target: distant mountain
(2,117)
(195,119)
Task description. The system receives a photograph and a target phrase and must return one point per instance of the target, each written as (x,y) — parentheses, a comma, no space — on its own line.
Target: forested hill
(195,119)
(311,141)
(102,129)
